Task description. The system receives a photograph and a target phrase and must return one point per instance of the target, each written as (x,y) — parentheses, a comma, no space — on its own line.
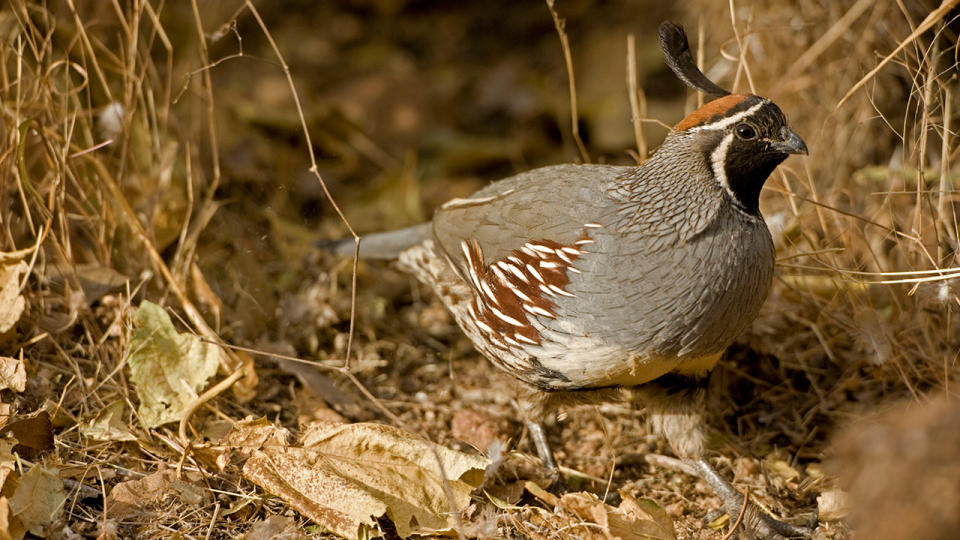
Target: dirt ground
(155,152)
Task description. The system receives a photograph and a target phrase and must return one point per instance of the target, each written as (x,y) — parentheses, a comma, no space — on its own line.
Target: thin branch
(560,25)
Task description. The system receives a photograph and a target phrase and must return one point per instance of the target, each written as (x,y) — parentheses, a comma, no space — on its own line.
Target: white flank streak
(563,256)
(514,270)
(593,225)
(500,275)
(717,159)
(474,277)
(472,310)
(558,290)
(515,260)
(484,326)
(721,124)
(538,247)
(570,250)
(511,341)
(466,252)
(574,269)
(583,242)
(528,251)
(524,338)
(506,318)
(489,292)
(548,264)
(520,294)
(546,290)
(533,271)
(539,311)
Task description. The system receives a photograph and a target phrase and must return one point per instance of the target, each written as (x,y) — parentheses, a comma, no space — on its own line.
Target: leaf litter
(167,367)
(161,185)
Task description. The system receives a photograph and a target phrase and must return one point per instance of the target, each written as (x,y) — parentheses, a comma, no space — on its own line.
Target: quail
(581,280)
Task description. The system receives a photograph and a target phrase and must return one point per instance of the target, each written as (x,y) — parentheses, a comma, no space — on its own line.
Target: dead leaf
(39,498)
(548,498)
(95,280)
(12,303)
(640,518)
(833,505)
(345,476)
(13,373)
(108,425)
(780,472)
(633,520)
(255,434)
(10,527)
(8,465)
(275,528)
(343,401)
(168,367)
(312,408)
(132,497)
(246,388)
(34,434)
(479,428)
(204,294)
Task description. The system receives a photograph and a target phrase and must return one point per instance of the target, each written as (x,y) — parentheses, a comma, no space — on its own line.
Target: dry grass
(117,136)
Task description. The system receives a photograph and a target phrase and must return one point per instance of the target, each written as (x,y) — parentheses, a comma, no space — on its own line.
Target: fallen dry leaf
(634,519)
(95,280)
(8,463)
(275,528)
(345,476)
(12,303)
(39,498)
(11,528)
(34,434)
(13,373)
(108,425)
(133,496)
(255,434)
(168,367)
(781,473)
(479,428)
(832,505)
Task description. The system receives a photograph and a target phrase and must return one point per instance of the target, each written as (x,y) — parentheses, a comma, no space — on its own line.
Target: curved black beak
(791,143)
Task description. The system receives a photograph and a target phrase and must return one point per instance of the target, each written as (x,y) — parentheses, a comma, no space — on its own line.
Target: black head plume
(676,50)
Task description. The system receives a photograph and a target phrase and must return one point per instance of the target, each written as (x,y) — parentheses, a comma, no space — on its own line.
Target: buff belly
(600,373)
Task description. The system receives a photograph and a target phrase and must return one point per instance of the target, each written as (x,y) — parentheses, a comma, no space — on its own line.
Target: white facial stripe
(717,159)
(721,124)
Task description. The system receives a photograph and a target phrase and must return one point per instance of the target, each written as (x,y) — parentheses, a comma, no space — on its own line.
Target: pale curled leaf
(168,367)
(108,425)
(39,498)
(13,374)
(344,476)
(832,505)
(12,303)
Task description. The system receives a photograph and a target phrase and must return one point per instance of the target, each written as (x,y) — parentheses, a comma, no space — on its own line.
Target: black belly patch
(544,378)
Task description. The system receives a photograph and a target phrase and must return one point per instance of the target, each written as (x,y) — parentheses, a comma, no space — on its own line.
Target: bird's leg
(539,436)
(675,408)
(535,406)
(537,432)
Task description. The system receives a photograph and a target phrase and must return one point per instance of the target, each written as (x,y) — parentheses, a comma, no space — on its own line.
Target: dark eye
(746,131)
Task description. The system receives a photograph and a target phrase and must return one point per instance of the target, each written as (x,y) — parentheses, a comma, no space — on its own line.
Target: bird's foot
(754,519)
